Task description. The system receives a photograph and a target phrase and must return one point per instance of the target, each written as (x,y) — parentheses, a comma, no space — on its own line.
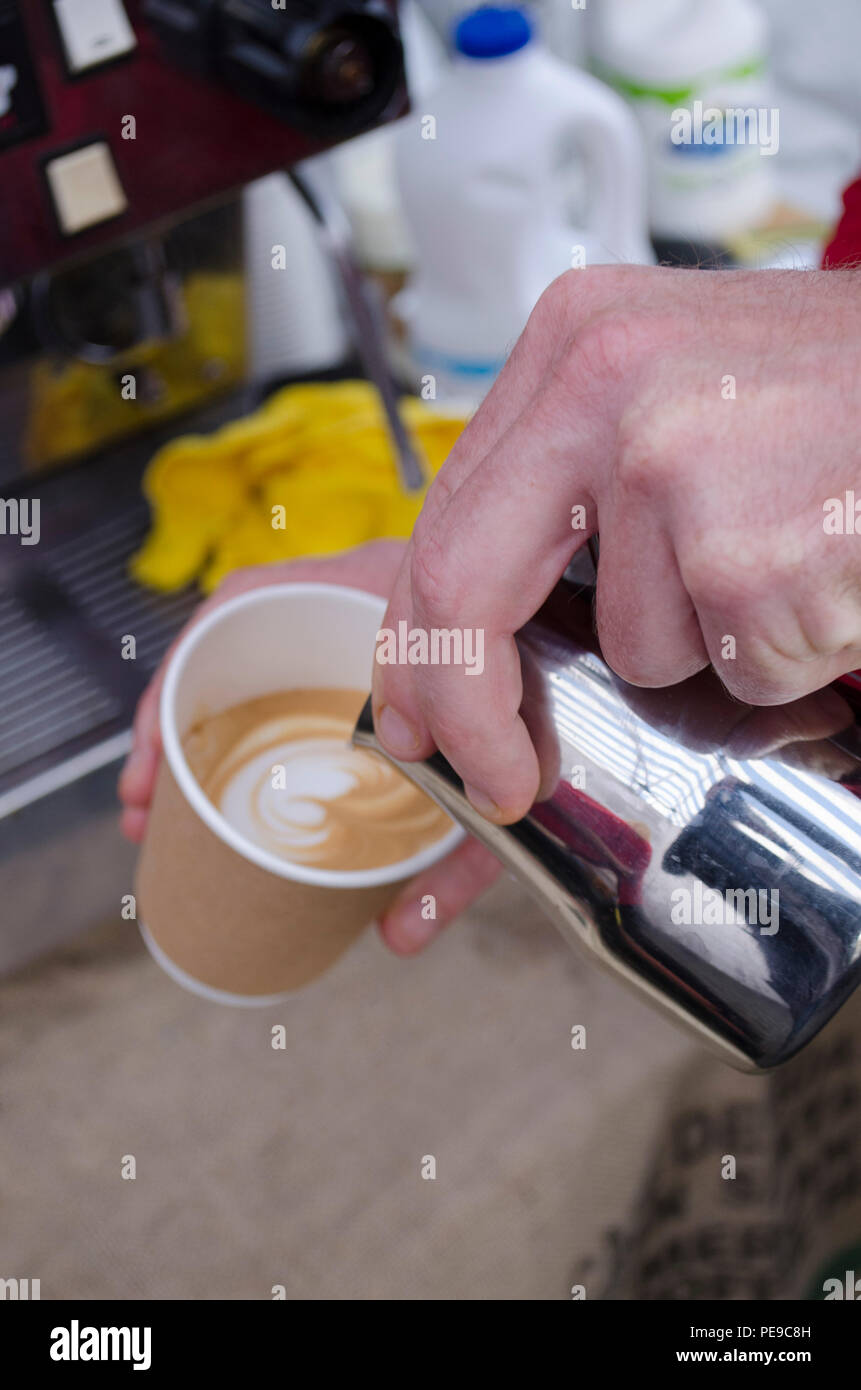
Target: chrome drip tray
(67,695)
(47,701)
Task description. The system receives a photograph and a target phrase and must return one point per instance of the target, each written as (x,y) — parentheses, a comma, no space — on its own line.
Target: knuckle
(580,304)
(609,344)
(561,302)
(595,288)
(647,456)
(614,343)
(549,324)
(729,576)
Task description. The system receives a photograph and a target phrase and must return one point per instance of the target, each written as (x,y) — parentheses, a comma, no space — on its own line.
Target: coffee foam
(281,771)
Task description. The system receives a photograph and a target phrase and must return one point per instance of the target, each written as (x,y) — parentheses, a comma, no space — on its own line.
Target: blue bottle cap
(491,32)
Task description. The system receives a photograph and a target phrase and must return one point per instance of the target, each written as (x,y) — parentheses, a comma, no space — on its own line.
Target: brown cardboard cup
(222,916)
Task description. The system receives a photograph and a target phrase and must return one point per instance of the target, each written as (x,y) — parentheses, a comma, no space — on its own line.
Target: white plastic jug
(671,57)
(489,168)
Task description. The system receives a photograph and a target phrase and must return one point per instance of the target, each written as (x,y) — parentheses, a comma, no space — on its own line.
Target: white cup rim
(203,807)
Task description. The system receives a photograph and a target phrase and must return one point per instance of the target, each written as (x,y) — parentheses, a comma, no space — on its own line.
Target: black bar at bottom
(84,1338)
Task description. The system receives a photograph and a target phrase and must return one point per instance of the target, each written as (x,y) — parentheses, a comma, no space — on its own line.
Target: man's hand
(455,881)
(701,421)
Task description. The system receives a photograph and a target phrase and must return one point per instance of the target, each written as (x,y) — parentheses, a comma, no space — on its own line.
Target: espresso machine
(128,132)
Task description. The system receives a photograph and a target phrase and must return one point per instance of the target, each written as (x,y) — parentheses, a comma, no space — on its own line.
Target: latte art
(281,771)
(318,801)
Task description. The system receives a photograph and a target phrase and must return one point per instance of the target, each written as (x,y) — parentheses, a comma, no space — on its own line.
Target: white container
(672,56)
(516,168)
(223,916)
(295,323)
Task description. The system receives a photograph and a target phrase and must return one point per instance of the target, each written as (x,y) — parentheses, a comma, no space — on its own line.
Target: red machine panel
(119,113)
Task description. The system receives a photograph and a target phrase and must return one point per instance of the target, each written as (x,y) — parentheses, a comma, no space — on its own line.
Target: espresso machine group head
(330,68)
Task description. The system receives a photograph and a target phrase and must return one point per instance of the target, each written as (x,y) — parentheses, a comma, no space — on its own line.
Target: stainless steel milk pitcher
(727,889)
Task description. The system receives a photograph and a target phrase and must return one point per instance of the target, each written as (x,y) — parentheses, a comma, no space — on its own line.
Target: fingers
(444,890)
(514,508)
(772,634)
(510,394)
(133,823)
(137,778)
(529,369)
(647,624)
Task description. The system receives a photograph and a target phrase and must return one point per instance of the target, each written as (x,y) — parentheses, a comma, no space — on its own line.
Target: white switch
(94,31)
(85,187)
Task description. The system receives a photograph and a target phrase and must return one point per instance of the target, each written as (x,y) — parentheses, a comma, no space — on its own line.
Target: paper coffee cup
(224,917)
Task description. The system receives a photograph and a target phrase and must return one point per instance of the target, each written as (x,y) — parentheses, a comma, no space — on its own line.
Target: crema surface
(281,771)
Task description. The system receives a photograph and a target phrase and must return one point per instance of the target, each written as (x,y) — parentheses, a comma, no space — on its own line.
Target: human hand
(701,420)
